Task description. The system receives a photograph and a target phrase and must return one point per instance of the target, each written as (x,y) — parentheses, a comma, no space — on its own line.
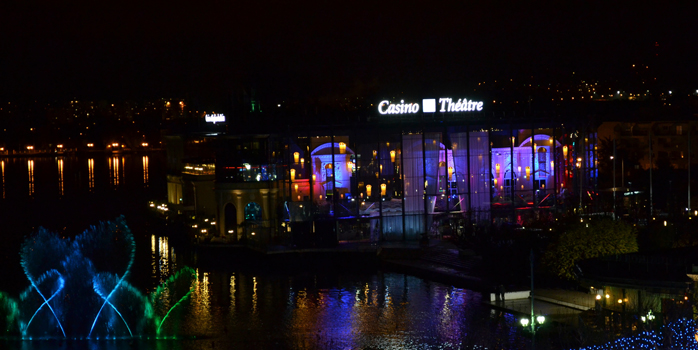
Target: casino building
(406,171)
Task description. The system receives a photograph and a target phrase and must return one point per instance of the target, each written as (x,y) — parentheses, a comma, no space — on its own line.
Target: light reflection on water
(392,310)
(66,177)
(2,171)
(263,309)
(30,172)
(60,176)
(145,171)
(91,174)
(114,171)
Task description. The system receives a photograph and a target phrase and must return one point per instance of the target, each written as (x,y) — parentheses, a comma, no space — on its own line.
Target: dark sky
(135,49)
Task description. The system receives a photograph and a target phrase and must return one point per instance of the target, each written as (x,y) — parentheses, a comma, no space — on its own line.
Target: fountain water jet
(89,296)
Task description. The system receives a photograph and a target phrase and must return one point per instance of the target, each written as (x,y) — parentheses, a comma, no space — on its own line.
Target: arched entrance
(231,220)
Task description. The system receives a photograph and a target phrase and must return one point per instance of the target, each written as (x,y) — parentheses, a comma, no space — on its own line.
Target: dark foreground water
(241,304)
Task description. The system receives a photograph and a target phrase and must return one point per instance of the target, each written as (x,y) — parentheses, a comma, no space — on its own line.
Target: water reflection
(324,311)
(114,171)
(232,293)
(30,167)
(60,176)
(91,174)
(65,176)
(145,171)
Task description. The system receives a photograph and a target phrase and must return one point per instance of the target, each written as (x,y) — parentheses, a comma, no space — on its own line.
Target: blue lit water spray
(61,283)
(82,290)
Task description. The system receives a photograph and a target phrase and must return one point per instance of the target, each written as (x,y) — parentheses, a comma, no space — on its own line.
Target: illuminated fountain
(78,289)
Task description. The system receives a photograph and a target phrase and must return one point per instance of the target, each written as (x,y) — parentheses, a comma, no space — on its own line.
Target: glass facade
(398,182)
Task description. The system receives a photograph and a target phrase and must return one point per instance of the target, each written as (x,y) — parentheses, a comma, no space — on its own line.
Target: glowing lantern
(342,147)
(293,174)
(450,173)
(495,182)
(375,153)
(564,151)
(381,168)
(295,187)
(299,199)
(313,177)
(392,156)
(320,197)
(496,168)
(350,166)
(368,190)
(376,174)
(383,188)
(302,160)
(296,156)
(552,164)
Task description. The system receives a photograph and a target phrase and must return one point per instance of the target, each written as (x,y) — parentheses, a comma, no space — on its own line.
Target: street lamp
(534,320)
(579,172)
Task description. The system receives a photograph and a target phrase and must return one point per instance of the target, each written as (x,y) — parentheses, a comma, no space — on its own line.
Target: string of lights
(678,335)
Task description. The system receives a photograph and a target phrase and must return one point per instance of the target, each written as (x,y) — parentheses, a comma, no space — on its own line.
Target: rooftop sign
(215,118)
(429,105)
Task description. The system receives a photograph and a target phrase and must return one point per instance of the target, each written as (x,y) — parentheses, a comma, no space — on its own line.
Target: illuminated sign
(385,107)
(215,118)
(429,105)
(463,105)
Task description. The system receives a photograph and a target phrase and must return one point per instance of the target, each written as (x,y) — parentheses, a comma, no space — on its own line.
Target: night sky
(108,50)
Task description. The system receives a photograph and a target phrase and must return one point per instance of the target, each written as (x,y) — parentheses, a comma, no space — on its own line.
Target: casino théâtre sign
(429,105)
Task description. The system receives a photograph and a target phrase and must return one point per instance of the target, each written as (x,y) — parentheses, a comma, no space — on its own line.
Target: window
(542,160)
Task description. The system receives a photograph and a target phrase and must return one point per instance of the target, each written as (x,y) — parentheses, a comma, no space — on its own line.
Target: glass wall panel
(503,179)
(545,173)
(434,182)
(479,176)
(412,156)
(367,195)
(458,173)
(391,186)
(435,165)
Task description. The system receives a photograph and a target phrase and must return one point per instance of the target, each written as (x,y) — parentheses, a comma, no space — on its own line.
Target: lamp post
(579,171)
(535,320)
(613,157)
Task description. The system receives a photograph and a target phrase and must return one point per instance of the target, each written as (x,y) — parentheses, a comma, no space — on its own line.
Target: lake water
(236,305)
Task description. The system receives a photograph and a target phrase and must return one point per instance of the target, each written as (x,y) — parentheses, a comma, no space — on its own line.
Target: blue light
(75,275)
